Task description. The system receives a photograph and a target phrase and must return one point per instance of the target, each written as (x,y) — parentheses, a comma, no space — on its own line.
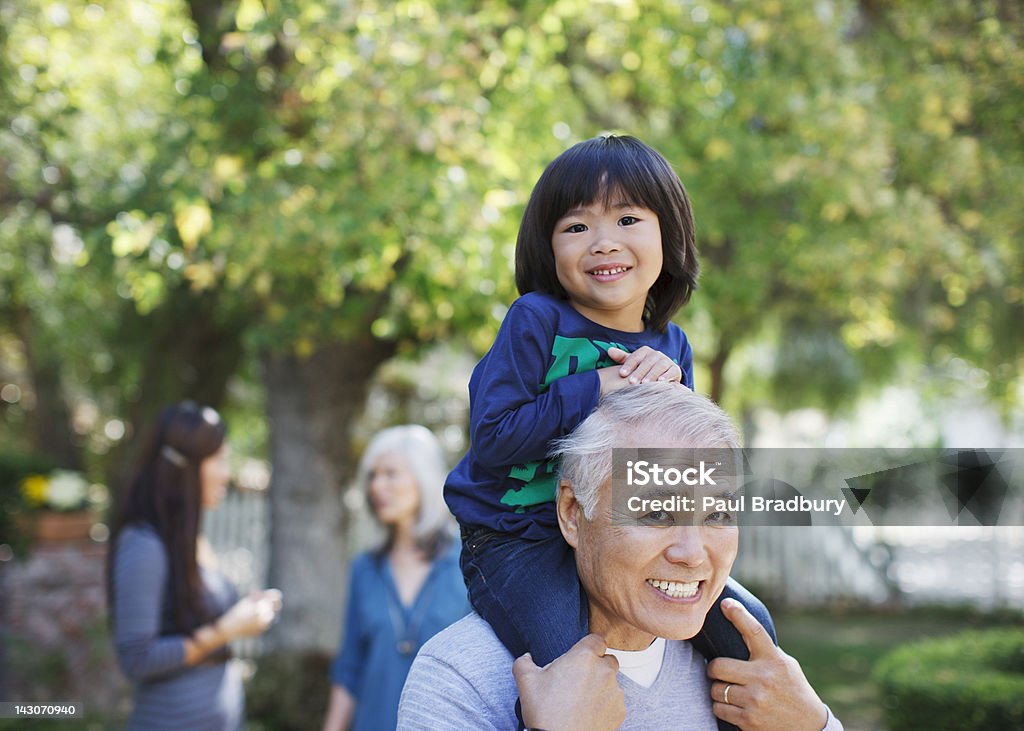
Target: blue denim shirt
(380,635)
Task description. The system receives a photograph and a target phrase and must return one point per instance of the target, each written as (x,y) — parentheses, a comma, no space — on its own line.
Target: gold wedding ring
(725,695)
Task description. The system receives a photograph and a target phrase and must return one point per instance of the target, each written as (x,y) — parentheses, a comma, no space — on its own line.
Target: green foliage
(331,188)
(81,92)
(972,681)
(837,648)
(188,185)
(955,147)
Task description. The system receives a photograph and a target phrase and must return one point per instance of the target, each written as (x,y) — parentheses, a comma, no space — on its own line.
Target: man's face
(645,582)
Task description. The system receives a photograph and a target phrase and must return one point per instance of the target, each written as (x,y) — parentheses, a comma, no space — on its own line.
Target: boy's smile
(609,272)
(607,259)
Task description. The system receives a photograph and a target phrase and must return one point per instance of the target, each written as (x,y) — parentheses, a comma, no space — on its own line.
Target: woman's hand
(341,707)
(767,692)
(251,615)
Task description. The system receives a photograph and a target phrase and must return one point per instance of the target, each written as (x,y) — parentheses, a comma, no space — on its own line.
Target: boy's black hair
(607,167)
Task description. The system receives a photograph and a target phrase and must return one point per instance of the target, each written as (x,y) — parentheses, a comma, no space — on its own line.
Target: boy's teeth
(675,589)
(614,270)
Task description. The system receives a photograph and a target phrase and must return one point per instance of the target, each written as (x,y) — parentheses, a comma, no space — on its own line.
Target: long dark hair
(603,168)
(165,493)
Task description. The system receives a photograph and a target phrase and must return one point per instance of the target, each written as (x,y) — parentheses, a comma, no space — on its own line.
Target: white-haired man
(649,589)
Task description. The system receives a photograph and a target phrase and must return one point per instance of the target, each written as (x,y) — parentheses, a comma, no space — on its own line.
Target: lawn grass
(838,650)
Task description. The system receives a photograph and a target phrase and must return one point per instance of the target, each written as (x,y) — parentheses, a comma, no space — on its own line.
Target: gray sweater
(462,679)
(167,693)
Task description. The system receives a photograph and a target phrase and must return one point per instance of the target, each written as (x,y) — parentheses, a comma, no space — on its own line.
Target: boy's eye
(576,228)
(628,220)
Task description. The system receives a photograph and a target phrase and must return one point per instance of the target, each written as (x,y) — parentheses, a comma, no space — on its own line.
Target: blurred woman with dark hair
(173,612)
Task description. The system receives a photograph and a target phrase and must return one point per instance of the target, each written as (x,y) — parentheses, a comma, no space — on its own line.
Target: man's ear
(569,512)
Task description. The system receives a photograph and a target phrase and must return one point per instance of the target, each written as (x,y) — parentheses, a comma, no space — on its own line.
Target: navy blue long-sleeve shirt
(536,384)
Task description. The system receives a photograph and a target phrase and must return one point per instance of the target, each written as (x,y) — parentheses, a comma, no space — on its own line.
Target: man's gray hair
(678,416)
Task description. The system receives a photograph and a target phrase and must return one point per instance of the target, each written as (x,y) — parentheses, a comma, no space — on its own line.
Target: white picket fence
(790,565)
(980,566)
(239,530)
(814,565)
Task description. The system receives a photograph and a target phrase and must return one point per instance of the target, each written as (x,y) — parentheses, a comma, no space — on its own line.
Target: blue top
(168,694)
(381,636)
(537,383)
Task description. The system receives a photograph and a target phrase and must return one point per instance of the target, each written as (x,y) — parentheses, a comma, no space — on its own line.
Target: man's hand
(767,692)
(576,692)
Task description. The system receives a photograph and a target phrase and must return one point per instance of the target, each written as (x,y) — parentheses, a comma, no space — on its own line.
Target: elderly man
(649,590)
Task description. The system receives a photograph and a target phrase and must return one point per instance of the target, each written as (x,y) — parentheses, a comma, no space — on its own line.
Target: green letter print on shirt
(571,355)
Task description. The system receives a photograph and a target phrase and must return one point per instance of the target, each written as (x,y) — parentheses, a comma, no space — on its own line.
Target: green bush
(288,692)
(974,680)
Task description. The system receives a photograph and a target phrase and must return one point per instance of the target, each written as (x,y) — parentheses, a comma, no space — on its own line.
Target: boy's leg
(528,591)
(720,638)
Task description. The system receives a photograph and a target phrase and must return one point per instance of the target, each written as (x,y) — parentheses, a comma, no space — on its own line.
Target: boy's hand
(645,365)
(610,380)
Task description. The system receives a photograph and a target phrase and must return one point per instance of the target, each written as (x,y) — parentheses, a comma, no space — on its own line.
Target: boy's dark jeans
(530,594)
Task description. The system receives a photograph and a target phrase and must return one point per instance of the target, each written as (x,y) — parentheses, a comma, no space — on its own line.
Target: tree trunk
(717,369)
(311,406)
(52,434)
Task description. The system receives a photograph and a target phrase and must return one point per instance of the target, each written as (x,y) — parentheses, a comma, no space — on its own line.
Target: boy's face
(607,258)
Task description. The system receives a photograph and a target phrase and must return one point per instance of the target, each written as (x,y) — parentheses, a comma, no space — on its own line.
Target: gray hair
(676,414)
(421,449)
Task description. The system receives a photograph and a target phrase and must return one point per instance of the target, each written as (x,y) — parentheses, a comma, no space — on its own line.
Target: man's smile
(675,589)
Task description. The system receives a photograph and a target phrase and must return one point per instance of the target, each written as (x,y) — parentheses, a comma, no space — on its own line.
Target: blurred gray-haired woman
(404,591)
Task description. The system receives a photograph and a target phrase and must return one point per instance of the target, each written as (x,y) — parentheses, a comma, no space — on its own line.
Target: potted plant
(60,505)
(40,504)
